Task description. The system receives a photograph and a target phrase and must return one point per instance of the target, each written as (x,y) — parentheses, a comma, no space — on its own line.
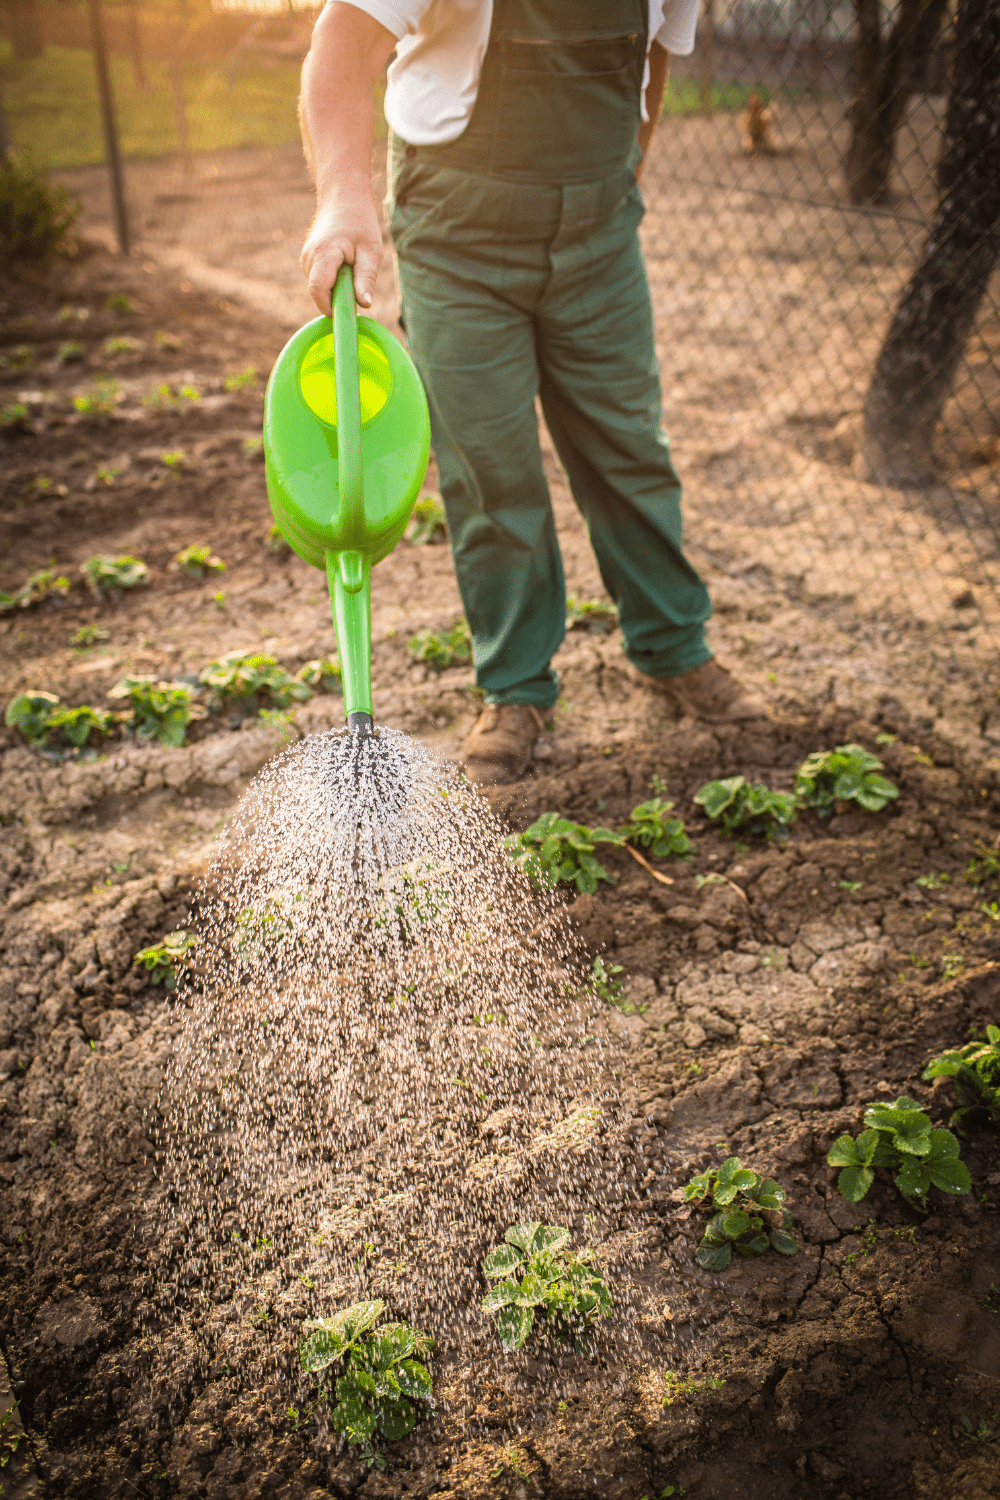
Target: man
(518,128)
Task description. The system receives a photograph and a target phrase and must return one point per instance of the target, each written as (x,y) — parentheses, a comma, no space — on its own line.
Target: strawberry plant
(44,584)
(100,400)
(160,710)
(378,1378)
(14,415)
(105,574)
(428,526)
(749,1217)
(650,826)
(321,672)
(596,615)
(441,651)
(30,713)
(77,724)
(536,1274)
(245,679)
(199,560)
(165,960)
(122,343)
(554,850)
(847,774)
(975,1072)
(241,380)
(748,808)
(901,1138)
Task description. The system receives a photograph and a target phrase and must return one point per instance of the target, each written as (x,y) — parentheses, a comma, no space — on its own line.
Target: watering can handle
(350,473)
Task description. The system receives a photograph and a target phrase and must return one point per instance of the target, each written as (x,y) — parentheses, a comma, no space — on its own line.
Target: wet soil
(764,1009)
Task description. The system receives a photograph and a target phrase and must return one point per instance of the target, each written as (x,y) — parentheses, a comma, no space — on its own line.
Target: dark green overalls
(522,276)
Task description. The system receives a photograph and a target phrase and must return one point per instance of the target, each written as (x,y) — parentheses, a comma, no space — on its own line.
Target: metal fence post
(111,145)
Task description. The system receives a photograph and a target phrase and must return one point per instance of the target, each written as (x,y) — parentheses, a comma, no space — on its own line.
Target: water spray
(346,440)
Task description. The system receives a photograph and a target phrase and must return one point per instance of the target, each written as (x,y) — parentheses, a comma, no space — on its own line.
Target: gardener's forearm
(337,115)
(659,72)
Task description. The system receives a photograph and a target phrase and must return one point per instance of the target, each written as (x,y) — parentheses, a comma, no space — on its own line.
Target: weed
(750,1218)
(378,1378)
(320,671)
(990,1302)
(441,651)
(100,400)
(595,615)
(429,525)
(35,217)
(122,344)
(160,710)
(975,1072)
(952,965)
(165,960)
(69,352)
(534,1272)
(604,984)
(165,397)
(679,1387)
(219,599)
(932,882)
(87,635)
(554,850)
(749,807)
(106,474)
(275,537)
(987,1431)
(120,302)
(246,678)
(662,836)
(657,785)
(511,1460)
(992,911)
(198,560)
(852,886)
(16,414)
(983,867)
(901,1138)
(847,774)
(242,380)
(44,584)
(105,574)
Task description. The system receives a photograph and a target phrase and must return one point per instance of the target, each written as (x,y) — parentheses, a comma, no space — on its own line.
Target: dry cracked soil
(764,1007)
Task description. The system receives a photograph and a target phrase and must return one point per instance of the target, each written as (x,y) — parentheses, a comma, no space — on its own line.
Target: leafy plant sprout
(438,652)
(245,679)
(242,380)
(679,1387)
(47,583)
(749,1217)
(41,717)
(165,961)
(535,1274)
(900,1137)
(160,710)
(975,1073)
(554,850)
(100,400)
(103,575)
(429,526)
(88,635)
(650,826)
(745,807)
(198,560)
(599,616)
(381,1386)
(850,773)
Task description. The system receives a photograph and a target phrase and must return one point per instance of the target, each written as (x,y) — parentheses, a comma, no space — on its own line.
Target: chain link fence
(836,421)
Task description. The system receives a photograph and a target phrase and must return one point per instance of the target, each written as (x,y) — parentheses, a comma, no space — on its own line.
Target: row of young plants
(439,650)
(554,850)
(241,682)
(538,1285)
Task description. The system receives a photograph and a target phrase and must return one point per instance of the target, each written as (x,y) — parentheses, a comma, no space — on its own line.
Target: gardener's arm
(337,115)
(659,72)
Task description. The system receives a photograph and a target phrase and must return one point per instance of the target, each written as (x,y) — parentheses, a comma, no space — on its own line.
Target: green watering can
(346,438)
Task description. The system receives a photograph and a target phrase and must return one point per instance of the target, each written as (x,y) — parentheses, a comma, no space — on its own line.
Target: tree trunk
(915,369)
(886,72)
(26,34)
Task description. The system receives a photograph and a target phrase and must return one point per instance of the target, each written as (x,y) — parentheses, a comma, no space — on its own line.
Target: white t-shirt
(439,56)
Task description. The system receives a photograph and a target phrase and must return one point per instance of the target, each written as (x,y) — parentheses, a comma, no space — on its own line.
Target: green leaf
(391,1344)
(357,1385)
(354,1420)
(716,796)
(395,1419)
(713,1258)
(551,1237)
(949,1174)
(782,1242)
(513,1325)
(331,1337)
(502,1260)
(499,1296)
(523,1235)
(854,1182)
(843,1152)
(532,1289)
(756,1245)
(734,1224)
(415,1380)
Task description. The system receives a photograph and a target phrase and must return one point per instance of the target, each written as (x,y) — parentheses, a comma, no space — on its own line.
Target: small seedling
(748,807)
(69,352)
(952,965)
(199,560)
(164,340)
(554,850)
(901,1138)
(535,1273)
(604,984)
(679,1387)
(275,537)
(106,474)
(511,1460)
(750,1218)
(650,826)
(21,357)
(105,574)
(378,1379)
(932,882)
(70,314)
(987,1431)
(242,380)
(120,302)
(975,1072)
(320,672)
(442,651)
(45,584)
(175,460)
(166,960)
(983,868)
(15,414)
(429,525)
(595,615)
(40,718)
(244,679)
(160,710)
(164,396)
(847,774)
(122,344)
(100,400)
(87,635)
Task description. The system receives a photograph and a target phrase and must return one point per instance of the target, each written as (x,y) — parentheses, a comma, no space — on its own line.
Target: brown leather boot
(709,693)
(499,748)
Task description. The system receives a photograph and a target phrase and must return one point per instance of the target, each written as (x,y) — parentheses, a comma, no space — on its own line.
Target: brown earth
(765,1010)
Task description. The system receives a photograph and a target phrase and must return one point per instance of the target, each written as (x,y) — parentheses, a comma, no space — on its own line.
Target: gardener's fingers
(343,232)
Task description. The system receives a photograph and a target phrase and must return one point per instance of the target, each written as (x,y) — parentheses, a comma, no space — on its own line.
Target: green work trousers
(513,291)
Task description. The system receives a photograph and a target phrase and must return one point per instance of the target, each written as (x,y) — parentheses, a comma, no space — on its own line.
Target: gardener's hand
(345,228)
(337,114)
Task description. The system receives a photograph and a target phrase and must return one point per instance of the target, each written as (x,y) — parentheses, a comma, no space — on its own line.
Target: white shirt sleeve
(401,17)
(680,22)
